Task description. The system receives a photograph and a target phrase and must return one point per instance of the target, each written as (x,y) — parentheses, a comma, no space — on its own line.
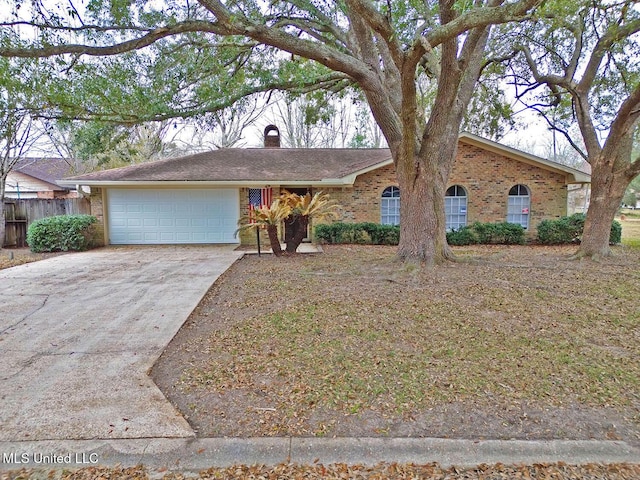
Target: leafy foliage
(569,230)
(269,217)
(359,233)
(462,236)
(320,206)
(504,233)
(130,62)
(304,208)
(62,233)
(376,234)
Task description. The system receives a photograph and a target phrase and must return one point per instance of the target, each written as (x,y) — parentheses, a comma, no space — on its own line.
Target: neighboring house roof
(48,170)
(290,166)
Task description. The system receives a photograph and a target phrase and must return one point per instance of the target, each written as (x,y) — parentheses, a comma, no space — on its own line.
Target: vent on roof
(271,137)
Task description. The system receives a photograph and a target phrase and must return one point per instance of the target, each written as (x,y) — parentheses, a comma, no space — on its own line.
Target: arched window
(518,206)
(390,206)
(455,207)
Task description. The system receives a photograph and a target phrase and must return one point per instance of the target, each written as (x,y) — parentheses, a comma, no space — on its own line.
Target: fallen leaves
(341,471)
(326,341)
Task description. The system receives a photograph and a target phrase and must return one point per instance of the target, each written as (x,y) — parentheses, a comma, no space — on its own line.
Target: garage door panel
(172,216)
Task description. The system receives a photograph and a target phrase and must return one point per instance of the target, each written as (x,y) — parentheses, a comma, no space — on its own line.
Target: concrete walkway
(79,332)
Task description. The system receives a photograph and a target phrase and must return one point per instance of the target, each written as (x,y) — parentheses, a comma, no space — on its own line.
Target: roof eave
(326,182)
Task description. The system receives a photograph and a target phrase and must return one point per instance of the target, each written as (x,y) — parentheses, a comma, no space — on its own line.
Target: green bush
(362,233)
(485,233)
(615,236)
(503,233)
(463,236)
(569,230)
(382,234)
(62,233)
(376,234)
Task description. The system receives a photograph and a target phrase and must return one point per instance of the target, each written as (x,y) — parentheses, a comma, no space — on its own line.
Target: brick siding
(487,178)
(97,210)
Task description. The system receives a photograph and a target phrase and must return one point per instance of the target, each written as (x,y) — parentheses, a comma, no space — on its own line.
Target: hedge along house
(200,198)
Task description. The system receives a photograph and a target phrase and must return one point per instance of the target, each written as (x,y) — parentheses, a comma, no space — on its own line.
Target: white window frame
(519,205)
(455,207)
(390,206)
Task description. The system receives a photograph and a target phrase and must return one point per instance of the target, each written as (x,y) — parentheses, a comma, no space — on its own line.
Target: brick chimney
(271,137)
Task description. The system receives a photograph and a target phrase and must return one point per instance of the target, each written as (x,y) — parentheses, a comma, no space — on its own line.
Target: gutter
(327,182)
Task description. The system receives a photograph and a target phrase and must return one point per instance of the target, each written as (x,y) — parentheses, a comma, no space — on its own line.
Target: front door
(291,223)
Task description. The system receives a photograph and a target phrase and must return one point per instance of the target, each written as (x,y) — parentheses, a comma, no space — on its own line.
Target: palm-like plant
(303,208)
(268,217)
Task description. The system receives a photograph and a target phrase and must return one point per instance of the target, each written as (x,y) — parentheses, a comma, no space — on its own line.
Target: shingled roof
(48,170)
(308,166)
(269,165)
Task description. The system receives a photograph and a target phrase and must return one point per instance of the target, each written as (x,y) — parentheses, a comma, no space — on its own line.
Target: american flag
(259,198)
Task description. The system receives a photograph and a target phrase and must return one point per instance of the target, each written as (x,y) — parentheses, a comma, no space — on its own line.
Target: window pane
(390,206)
(455,208)
(518,205)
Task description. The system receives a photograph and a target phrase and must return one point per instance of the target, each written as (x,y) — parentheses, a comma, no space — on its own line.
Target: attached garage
(172,216)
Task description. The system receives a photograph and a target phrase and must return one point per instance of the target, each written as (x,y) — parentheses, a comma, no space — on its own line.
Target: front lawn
(519,343)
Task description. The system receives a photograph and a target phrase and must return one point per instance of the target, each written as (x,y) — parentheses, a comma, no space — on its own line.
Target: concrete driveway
(79,332)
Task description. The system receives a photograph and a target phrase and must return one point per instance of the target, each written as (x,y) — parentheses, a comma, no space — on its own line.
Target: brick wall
(487,178)
(97,210)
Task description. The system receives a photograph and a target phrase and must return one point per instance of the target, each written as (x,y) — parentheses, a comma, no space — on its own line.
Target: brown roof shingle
(48,170)
(250,164)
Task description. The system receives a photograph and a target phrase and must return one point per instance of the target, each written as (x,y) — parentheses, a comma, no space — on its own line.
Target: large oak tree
(584,57)
(383,48)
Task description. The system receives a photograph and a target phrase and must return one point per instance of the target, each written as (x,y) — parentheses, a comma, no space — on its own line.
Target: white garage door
(149,216)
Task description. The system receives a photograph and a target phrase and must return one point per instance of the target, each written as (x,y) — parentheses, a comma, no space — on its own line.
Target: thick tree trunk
(272,231)
(607,191)
(422,188)
(302,222)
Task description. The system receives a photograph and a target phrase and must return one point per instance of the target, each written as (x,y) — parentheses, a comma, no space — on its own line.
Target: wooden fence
(19,214)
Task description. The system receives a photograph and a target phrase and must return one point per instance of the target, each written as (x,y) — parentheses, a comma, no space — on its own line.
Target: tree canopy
(191,58)
(579,63)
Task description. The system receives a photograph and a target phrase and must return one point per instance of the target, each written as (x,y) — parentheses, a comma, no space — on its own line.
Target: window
(518,206)
(390,206)
(455,207)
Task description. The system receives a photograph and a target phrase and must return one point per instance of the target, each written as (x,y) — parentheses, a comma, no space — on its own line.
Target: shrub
(569,230)
(463,236)
(615,236)
(503,233)
(376,234)
(362,233)
(382,234)
(486,233)
(62,233)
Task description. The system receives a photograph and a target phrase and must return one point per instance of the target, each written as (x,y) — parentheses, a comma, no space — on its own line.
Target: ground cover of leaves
(556,471)
(19,256)
(514,342)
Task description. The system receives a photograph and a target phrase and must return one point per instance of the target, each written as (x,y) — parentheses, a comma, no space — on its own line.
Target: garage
(172,216)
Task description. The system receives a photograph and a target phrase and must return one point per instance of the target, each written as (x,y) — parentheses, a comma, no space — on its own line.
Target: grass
(631,228)
(351,331)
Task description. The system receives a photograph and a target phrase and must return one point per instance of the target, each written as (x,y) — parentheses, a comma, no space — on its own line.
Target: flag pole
(258,237)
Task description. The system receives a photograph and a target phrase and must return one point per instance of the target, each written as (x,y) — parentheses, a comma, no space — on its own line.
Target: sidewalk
(195,454)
